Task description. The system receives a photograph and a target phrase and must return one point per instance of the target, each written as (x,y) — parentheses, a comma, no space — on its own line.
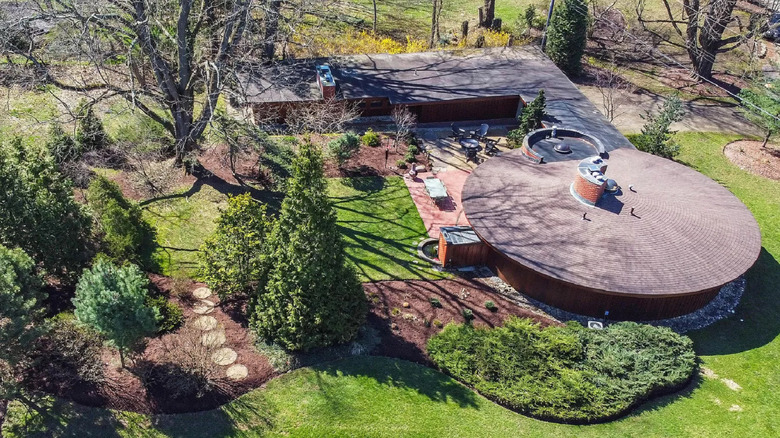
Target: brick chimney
(590,182)
(325,82)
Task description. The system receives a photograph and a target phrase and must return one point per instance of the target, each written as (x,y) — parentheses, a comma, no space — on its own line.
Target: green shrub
(435,302)
(70,353)
(232,260)
(468,314)
(171,316)
(342,148)
(125,233)
(401,164)
(409,157)
(656,137)
(90,134)
(567,35)
(371,138)
(395,311)
(61,145)
(491,306)
(570,373)
(112,300)
(437,323)
(414,150)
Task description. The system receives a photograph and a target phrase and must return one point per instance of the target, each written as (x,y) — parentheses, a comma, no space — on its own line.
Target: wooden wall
(594,302)
(454,256)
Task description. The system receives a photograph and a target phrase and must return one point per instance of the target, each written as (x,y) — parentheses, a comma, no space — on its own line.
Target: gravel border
(721,307)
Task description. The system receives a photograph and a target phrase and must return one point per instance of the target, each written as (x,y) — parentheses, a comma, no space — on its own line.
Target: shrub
(112,300)
(171,316)
(414,150)
(342,148)
(90,134)
(567,35)
(69,353)
(232,260)
(530,119)
(468,314)
(395,311)
(435,302)
(409,157)
(21,297)
(312,297)
(569,373)
(656,137)
(491,306)
(401,164)
(371,138)
(125,233)
(437,323)
(39,214)
(61,145)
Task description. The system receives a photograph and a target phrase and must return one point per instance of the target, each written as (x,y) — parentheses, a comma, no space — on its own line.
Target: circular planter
(421,253)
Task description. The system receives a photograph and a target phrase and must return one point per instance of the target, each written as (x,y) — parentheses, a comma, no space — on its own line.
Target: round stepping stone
(224,356)
(213,339)
(202,309)
(201,293)
(237,372)
(205,323)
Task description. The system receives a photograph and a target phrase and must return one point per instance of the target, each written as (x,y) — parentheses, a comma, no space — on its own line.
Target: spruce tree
(567,35)
(656,137)
(90,134)
(20,314)
(113,300)
(530,118)
(312,297)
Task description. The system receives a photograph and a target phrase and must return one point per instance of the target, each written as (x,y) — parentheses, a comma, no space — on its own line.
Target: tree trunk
(704,41)
(766,138)
(488,13)
(374,1)
(272,13)
(122,358)
(436,12)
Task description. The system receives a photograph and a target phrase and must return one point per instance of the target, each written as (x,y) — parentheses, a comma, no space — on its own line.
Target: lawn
(385,397)
(381,228)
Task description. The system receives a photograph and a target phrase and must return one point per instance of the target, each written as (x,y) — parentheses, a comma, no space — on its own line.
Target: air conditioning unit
(596,325)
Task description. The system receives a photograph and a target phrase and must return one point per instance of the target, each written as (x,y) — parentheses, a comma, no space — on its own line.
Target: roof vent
(562,148)
(612,186)
(325,81)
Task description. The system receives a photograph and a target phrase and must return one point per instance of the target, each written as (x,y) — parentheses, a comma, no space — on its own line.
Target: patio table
(435,189)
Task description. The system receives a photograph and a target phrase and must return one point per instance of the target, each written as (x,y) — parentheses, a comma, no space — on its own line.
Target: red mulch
(370,161)
(405,334)
(124,390)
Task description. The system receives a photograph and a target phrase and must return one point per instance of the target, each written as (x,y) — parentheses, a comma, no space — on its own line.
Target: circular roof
(687,233)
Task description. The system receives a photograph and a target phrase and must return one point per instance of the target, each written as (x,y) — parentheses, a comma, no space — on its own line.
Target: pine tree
(61,145)
(20,313)
(567,34)
(312,297)
(38,212)
(530,118)
(112,300)
(90,134)
(656,137)
(233,258)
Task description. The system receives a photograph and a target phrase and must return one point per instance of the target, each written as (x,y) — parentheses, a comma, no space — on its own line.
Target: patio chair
(481,133)
(491,146)
(457,132)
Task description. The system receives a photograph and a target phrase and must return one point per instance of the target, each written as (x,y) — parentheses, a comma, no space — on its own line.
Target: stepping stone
(224,356)
(204,307)
(201,293)
(237,372)
(205,323)
(213,339)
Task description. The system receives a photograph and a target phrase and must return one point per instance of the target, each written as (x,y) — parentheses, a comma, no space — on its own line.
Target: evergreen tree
(233,258)
(125,233)
(38,213)
(90,134)
(61,145)
(530,118)
(656,137)
(112,300)
(767,98)
(20,313)
(312,297)
(566,35)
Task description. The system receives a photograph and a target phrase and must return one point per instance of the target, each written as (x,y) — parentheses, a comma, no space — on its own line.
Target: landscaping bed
(370,161)
(405,331)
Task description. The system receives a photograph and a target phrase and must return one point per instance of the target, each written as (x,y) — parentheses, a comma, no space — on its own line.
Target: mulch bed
(370,161)
(405,331)
(750,156)
(125,391)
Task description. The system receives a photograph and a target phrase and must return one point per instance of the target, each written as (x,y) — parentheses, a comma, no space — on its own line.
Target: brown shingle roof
(689,233)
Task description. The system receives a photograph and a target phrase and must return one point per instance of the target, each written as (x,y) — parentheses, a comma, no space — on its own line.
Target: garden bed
(370,161)
(405,331)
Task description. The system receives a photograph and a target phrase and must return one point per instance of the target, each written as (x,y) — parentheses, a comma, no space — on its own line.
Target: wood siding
(454,256)
(593,302)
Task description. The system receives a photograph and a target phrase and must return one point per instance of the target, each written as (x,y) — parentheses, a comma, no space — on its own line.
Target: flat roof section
(687,233)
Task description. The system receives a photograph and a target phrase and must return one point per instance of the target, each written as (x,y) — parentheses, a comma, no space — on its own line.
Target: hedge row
(567,374)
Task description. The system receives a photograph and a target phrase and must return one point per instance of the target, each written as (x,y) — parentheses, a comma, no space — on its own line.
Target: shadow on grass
(757,318)
(398,373)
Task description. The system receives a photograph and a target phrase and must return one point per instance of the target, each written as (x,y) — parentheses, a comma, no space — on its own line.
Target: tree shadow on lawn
(757,319)
(399,373)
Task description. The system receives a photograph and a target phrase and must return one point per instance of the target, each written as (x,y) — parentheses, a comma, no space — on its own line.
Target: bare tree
(325,116)
(435,18)
(701,25)
(610,83)
(405,121)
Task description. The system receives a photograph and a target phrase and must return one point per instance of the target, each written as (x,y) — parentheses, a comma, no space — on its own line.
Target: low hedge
(567,374)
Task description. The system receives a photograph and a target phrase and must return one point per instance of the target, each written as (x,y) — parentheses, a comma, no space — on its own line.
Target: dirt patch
(370,161)
(750,156)
(402,312)
(124,389)
(732,385)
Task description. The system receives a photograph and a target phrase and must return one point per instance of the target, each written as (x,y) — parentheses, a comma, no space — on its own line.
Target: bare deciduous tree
(325,116)
(435,18)
(610,83)
(404,121)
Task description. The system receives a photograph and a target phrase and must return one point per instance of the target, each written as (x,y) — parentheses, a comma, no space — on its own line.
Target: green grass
(377,397)
(381,228)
